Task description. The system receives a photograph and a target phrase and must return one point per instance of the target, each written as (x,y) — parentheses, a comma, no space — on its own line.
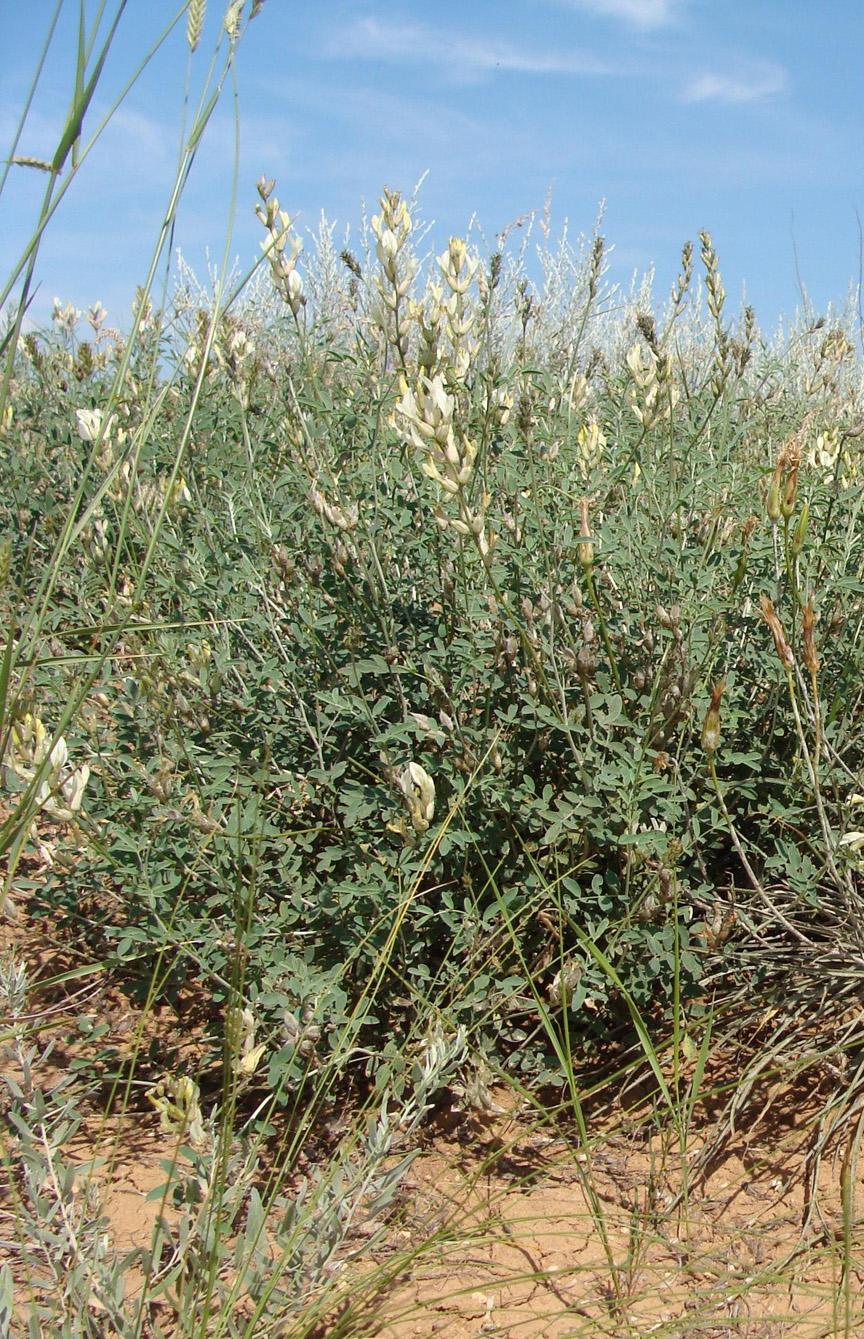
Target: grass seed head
(195,22)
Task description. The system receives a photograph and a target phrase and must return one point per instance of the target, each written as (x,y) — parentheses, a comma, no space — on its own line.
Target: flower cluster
(829,455)
(591,442)
(178,1102)
(64,315)
(31,757)
(653,394)
(418,788)
(392,228)
(446,457)
(451,319)
(430,317)
(148,495)
(459,269)
(281,247)
(428,413)
(245,1053)
(235,354)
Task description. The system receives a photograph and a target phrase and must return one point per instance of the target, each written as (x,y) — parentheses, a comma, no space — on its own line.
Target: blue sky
(742,116)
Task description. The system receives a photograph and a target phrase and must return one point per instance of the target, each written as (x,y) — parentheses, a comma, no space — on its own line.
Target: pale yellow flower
(418,788)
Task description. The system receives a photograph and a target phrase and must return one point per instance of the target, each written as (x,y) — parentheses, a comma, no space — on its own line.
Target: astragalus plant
(482,533)
(419,654)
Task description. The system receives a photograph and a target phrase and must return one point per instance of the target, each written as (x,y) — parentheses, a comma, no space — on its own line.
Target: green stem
(604,631)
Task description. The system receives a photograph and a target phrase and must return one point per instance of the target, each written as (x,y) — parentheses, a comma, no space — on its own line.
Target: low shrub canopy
(418,619)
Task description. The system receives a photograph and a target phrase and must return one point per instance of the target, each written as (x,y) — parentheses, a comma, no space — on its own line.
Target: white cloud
(757,80)
(417,119)
(457,53)
(639,13)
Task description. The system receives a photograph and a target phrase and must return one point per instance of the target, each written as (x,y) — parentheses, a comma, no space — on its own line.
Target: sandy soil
(749,1250)
(506,1227)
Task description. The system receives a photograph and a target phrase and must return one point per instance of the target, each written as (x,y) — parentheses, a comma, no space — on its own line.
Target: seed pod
(773,504)
(790,492)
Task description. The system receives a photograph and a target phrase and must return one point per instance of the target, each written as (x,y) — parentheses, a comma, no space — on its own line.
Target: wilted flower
(711,728)
(782,647)
(564,982)
(301,1035)
(578,392)
(343,517)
